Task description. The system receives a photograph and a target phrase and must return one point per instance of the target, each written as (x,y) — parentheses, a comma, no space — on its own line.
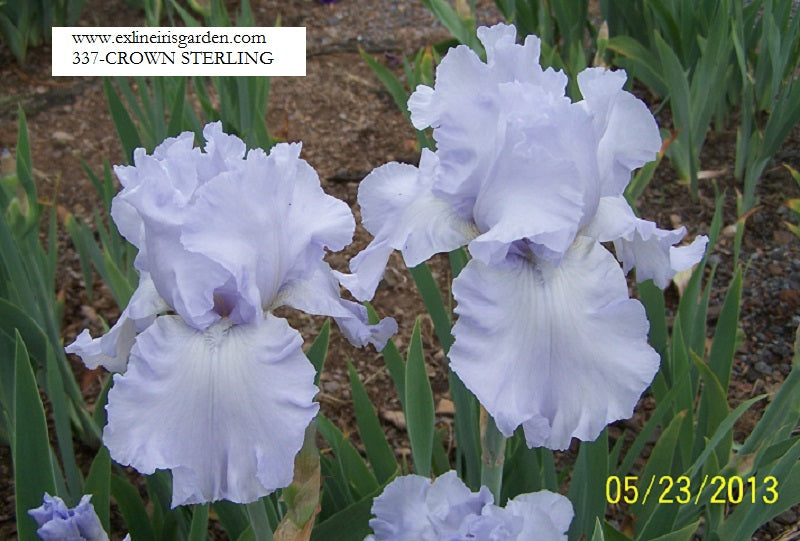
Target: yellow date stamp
(682,490)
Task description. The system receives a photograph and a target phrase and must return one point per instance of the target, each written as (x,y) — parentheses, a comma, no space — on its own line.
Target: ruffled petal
(412,508)
(652,252)
(111,350)
(224,409)
(641,244)
(546,515)
(401,513)
(627,133)
(449,501)
(319,294)
(58,523)
(274,226)
(560,348)
(400,209)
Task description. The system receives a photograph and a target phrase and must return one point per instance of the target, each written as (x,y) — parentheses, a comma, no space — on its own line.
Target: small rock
(764,368)
(445,407)
(396,417)
(775,269)
(331,387)
(62,137)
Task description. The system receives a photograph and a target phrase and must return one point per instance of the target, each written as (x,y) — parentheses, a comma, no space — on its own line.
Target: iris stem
(259,521)
(493,451)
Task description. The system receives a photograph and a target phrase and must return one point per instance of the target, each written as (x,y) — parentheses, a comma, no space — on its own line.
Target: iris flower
(547,337)
(58,523)
(210,383)
(411,508)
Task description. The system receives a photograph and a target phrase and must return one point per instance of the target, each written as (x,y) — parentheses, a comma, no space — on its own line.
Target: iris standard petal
(627,134)
(560,348)
(275,225)
(400,209)
(225,409)
(111,350)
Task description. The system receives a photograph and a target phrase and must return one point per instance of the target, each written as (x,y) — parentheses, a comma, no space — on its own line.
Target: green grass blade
(33,469)
(319,350)
(378,451)
(199,527)
(419,405)
(432,298)
(591,468)
(98,484)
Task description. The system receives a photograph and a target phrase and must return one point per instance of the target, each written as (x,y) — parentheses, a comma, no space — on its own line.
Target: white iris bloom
(547,337)
(211,384)
(411,508)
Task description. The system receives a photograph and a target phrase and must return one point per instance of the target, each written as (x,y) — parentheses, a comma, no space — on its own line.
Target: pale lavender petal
(449,501)
(58,523)
(401,512)
(560,348)
(318,294)
(273,227)
(546,515)
(682,258)
(399,208)
(224,409)
(652,252)
(111,350)
(412,508)
(641,244)
(627,133)
(613,219)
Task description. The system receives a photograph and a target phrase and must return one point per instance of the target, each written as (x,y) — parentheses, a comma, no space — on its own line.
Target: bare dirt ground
(349,125)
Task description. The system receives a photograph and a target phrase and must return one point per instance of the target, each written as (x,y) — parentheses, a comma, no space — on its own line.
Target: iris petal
(319,294)
(225,409)
(627,133)
(639,243)
(111,350)
(559,349)
(400,209)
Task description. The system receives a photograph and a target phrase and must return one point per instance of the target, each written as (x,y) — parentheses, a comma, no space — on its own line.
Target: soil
(349,125)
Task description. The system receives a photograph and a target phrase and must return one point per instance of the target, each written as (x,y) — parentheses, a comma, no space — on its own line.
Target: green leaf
(659,464)
(379,452)
(392,83)
(232,517)
(126,129)
(723,347)
(432,298)
(319,350)
(591,468)
(98,484)
(349,524)
(33,469)
(199,528)
(419,405)
(132,508)
(352,472)
(684,534)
